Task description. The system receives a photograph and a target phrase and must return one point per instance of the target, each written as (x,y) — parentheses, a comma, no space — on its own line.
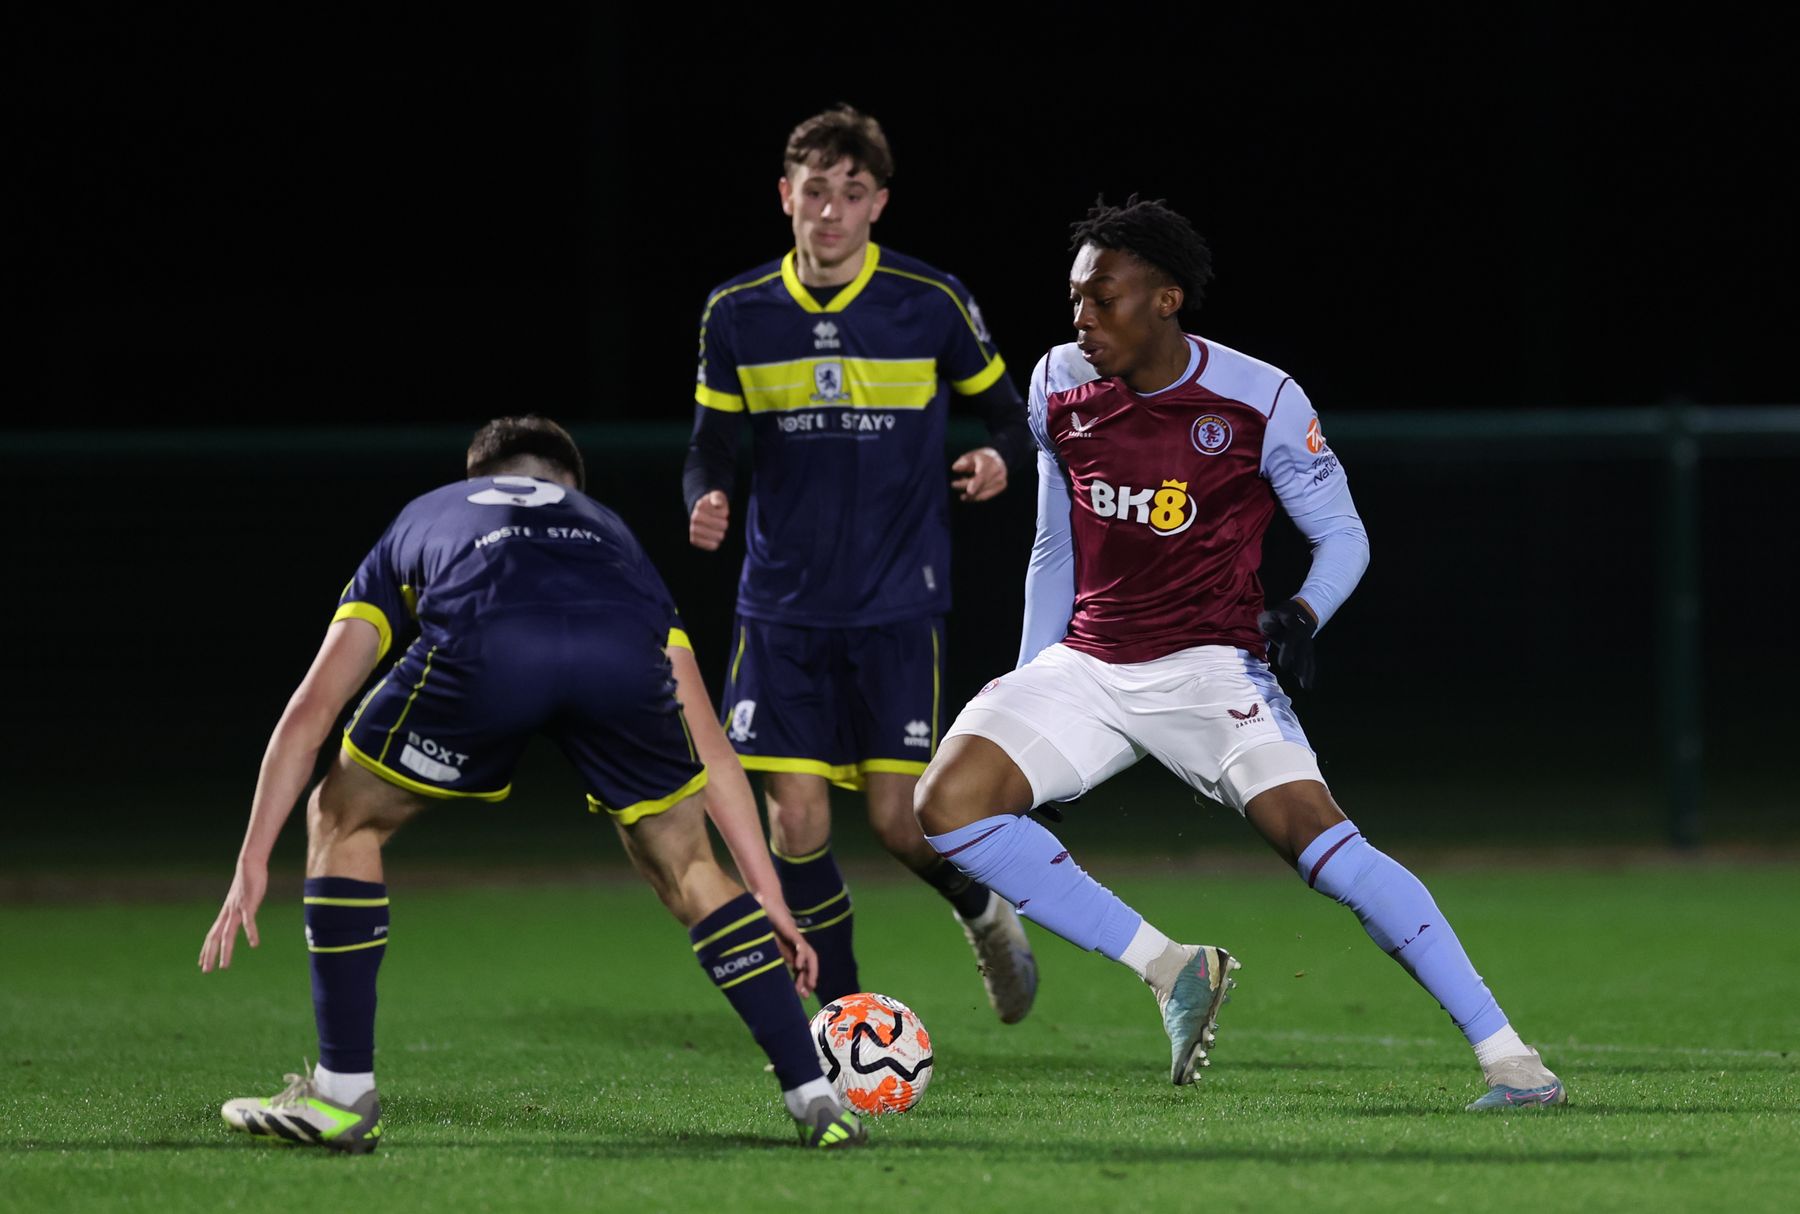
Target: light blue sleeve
(1050,578)
(1310,484)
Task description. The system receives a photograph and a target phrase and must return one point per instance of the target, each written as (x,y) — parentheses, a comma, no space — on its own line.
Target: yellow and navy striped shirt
(848,397)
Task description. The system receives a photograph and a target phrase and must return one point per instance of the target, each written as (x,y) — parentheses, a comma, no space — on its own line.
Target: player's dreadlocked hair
(507,438)
(841,133)
(1150,231)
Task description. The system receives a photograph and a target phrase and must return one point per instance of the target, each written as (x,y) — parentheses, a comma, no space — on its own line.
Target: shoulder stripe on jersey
(722,292)
(369,613)
(945,288)
(982,380)
(1276,403)
(790,278)
(712,398)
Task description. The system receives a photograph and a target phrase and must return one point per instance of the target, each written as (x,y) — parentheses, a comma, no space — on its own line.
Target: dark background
(242,250)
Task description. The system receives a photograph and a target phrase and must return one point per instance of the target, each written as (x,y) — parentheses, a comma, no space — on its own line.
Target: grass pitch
(554,1047)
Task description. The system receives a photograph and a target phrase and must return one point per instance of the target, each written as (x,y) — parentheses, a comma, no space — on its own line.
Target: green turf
(556,1048)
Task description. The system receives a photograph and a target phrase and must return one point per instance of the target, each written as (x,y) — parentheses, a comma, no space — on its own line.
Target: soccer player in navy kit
(843,357)
(517,605)
(1162,457)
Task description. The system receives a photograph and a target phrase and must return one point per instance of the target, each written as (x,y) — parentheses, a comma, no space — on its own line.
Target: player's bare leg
(799,811)
(971,804)
(672,852)
(350,815)
(1306,828)
(1002,953)
(735,946)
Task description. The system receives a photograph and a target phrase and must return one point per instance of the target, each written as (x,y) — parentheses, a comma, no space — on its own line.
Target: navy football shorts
(835,702)
(451,719)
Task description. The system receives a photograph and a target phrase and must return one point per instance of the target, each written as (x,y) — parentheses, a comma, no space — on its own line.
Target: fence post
(1680,687)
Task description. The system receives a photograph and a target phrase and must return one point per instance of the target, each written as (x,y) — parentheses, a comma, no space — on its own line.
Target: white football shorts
(1213,715)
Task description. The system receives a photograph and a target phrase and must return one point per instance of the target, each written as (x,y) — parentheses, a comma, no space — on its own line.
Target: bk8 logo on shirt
(1167,509)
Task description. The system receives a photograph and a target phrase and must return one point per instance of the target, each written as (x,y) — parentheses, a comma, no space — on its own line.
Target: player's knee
(328,814)
(971,778)
(799,800)
(949,796)
(901,836)
(1290,816)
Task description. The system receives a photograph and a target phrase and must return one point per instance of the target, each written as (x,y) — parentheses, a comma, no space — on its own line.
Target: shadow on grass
(1587,1108)
(696,1147)
(1077,1063)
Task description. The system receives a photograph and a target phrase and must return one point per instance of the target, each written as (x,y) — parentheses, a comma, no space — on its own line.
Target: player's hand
(1290,629)
(241,903)
(801,960)
(706,526)
(982,474)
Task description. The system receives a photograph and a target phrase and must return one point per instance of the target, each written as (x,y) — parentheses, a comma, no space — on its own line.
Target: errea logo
(918,733)
(825,336)
(1167,509)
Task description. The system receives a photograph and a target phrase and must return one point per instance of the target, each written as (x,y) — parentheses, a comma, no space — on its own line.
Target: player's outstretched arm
(345,658)
(732,808)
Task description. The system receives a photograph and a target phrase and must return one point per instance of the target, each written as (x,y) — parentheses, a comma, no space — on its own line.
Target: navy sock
(965,893)
(816,894)
(737,950)
(346,935)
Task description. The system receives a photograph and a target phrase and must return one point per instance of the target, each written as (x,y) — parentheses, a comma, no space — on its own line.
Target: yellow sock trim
(347,948)
(752,917)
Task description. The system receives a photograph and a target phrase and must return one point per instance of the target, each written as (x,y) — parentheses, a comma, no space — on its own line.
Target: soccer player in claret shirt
(1162,457)
(842,358)
(517,605)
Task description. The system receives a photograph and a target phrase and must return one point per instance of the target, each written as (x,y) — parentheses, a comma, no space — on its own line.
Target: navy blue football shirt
(847,398)
(495,545)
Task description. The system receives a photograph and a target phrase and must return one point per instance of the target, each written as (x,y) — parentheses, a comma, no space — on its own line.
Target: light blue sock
(1028,867)
(1398,913)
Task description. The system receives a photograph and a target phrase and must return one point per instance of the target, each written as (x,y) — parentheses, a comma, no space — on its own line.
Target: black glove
(1290,629)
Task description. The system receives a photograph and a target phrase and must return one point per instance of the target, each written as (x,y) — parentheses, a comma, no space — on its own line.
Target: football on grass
(875,1052)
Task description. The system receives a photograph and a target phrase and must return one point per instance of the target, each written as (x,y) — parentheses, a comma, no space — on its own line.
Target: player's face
(832,209)
(1122,308)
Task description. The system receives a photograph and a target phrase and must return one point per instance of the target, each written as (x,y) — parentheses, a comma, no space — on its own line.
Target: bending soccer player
(1162,458)
(844,356)
(518,605)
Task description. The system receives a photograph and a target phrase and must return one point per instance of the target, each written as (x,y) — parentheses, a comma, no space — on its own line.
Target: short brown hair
(841,133)
(507,438)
